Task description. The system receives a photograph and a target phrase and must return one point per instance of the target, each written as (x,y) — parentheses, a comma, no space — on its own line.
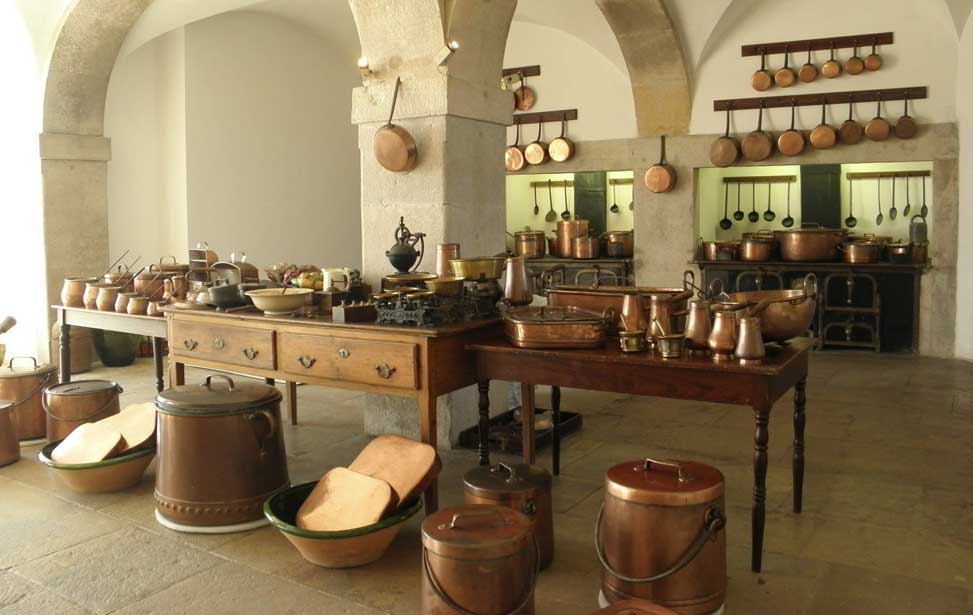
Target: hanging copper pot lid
(209,398)
(666,483)
(476,532)
(507,478)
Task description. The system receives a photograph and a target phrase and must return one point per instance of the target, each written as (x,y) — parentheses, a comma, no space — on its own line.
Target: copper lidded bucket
(522,487)
(9,445)
(221,455)
(478,559)
(25,387)
(71,404)
(659,535)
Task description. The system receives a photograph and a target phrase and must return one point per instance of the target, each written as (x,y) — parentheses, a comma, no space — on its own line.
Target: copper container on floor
(71,404)
(81,349)
(522,487)
(9,445)
(567,230)
(24,386)
(479,559)
(221,454)
(659,535)
(446,252)
(634,607)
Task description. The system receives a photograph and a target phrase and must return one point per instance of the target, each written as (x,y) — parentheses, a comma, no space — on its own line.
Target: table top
(813,266)
(779,357)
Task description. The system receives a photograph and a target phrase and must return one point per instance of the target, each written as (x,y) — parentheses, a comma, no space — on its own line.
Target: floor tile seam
(47,589)
(53,494)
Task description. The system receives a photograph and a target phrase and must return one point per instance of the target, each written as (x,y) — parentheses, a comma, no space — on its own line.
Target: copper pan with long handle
(757,145)
(393,146)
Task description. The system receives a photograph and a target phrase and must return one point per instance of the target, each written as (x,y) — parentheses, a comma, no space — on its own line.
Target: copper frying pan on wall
(851,131)
(725,151)
(393,146)
(757,145)
(791,142)
(513,156)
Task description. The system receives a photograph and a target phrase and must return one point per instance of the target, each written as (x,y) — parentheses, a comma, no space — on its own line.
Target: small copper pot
(91,291)
(626,238)
(530,244)
(567,230)
(105,300)
(71,404)
(137,305)
(585,247)
(24,385)
(121,301)
(9,445)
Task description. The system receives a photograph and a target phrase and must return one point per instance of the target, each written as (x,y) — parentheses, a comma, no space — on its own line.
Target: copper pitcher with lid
(517,287)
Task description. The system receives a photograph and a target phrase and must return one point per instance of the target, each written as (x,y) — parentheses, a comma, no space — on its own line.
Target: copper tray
(556,327)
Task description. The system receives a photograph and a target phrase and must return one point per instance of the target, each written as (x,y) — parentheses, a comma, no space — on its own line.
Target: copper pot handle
(271,421)
(10,363)
(229,381)
(713,523)
(492,512)
(668,466)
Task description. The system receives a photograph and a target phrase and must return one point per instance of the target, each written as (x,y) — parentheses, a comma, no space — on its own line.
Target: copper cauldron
(522,487)
(478,559)
(659,535)
(24,386)
(221,455)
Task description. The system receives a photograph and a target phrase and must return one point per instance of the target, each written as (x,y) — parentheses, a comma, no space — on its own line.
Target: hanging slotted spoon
(537,208)
(908,197)
(631,198)
(789,220)
(893,213)
(565,215)
(923,211)
(769,215)
(851,221)
(551,215)
(726,223)
(738,214)
(753,216)
(614,208)
(879,218)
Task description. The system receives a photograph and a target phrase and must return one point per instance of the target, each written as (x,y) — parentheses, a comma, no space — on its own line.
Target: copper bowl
(106,476)
(446,286)
(489,267)
(340,549)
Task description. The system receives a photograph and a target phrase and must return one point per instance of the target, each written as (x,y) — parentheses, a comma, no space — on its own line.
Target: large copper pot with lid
(221,455)
(24,385)
(567,230)
(478,559)
(522,487)
(810,243)
(659,535)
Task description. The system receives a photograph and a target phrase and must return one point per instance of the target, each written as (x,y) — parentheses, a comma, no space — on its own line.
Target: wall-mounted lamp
(363,67)
(447,52)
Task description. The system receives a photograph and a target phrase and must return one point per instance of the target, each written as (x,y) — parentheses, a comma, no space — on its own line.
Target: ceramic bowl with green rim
(106,476)
(341,549)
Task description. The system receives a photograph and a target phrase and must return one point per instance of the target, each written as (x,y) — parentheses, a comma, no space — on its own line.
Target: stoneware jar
(71,404)
(72,293)
(23,382)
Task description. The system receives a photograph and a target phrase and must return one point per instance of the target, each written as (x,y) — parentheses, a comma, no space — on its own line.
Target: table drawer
(230,345)
(389,364)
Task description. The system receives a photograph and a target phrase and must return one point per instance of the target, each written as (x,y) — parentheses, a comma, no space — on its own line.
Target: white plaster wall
(272,156)
(964,265)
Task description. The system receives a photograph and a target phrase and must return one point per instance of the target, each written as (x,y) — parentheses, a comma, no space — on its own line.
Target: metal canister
(24,386)
(659,535)
(221,454)
(9,445)
(446,252)
(567,230)
(522,487)
(71,404)
(479,559)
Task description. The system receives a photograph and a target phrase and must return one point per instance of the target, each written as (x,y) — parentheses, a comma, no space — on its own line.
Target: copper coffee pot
(517,287)
(699,323)
(722,339)
(633,313)
(664,308)
(750,343)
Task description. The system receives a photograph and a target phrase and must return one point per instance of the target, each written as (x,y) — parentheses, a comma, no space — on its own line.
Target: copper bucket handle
(480,513)
(92,417)
(668,466)
(713,523)
(229,381)
(528,595)
(10,363)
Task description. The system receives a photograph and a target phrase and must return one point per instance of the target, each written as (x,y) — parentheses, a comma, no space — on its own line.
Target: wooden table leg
(483,429)
(65,348)
(527,419)
(291,396)
(157,359)
(760,439)
(800,398)
(427,433)
(556,429)
(178,376)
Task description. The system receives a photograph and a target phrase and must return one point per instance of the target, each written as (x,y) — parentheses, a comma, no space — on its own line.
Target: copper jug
(723,337)
(9,445)
(633,316)
(699,323)
(750,343)
(517,285)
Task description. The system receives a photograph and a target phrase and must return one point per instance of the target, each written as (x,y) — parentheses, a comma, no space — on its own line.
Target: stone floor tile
(786,586)
(856,590)
(43,601)
(14,588)
(264,549)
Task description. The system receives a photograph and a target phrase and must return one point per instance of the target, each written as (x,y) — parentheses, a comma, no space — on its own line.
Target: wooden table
(420,363)
(150,326)
(696,378)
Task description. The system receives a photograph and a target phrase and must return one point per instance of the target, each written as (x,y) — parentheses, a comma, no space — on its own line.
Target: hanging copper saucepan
(791,141)
(823,136)
(536,152)
(905,126)
(524,96)
(393,146)
(513,156)
(761,79)
(757,145)
(561,149)
(785,77)
(831,68)
(854,65)
(877,128)
(808,72)
(873,61)
(725,151)
(851,131)
(661,177)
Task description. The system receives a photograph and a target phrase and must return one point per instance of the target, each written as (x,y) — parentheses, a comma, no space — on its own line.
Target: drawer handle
(250,353)
(218,343)
(344,353)
(306,361)
(384,371)
(190,344)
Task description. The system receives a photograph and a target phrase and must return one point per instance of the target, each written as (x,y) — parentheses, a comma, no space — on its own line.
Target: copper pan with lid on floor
(24,385)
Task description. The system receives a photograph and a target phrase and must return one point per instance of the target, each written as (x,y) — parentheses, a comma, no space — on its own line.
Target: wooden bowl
(273,302)
(344,549)
(105,476)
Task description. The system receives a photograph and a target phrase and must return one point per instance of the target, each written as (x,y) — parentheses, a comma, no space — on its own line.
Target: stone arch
(657,69)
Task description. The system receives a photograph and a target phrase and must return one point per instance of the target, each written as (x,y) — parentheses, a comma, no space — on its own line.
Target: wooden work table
(416,362)
(695,378)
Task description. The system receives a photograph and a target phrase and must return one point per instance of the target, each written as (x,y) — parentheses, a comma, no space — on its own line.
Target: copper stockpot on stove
(585,247)
(531,244)
(24,386)
(478,559)
(522,487)
(221,452)
(626,238)
(659,535)
(567,230)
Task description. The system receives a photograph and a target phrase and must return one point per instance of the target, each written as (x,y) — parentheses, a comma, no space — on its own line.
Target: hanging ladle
(614,208)
(893,212)
(908,197)
(537,208)
(879,218)
(565,215)
(738,214)
(551,215)
(631,199)
(923,211)
(726,223)
(753,216)
(851,221)
(769,215)
(789,220)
